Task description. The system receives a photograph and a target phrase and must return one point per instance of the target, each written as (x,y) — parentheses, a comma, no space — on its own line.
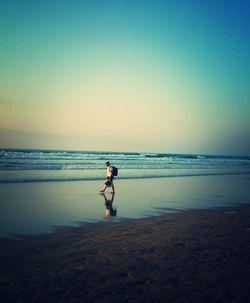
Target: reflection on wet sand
(109,211)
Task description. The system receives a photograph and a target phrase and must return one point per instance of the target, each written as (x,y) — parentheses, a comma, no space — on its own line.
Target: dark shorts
(109,182)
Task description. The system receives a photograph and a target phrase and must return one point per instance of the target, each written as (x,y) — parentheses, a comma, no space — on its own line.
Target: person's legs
(103,190)
(109,185)
(105,185)
(113,188)
(112,185)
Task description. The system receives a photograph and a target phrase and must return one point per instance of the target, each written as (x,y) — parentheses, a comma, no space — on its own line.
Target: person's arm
(111,171)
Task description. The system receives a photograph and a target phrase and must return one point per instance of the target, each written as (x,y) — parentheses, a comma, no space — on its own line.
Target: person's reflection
(110,211)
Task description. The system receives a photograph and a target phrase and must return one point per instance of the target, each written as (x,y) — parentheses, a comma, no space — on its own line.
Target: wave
(4,152)
(48,165)
(30,153)
(196,156)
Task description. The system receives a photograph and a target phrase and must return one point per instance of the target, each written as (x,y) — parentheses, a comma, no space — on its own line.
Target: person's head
(107,163)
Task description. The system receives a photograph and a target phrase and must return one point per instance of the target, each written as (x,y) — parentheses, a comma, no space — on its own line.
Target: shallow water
(35,208)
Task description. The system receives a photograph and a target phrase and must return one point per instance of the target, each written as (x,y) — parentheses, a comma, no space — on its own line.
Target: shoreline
(190,256)
(170,174)
(37,208)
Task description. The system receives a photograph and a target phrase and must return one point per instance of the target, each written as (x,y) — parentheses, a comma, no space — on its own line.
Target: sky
(151,75)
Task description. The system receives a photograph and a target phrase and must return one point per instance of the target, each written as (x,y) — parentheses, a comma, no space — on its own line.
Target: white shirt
(109,171)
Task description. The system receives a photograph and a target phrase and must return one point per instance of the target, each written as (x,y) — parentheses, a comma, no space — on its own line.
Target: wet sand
(192,256)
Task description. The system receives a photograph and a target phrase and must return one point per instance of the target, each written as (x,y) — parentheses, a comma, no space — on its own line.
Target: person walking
(109,181)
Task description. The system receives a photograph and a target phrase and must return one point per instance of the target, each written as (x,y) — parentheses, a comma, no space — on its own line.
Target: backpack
(114,171)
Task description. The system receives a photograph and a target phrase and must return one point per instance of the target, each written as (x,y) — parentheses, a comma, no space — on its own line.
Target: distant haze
(156,76)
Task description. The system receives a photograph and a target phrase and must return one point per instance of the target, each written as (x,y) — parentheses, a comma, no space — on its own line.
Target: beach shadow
(108,202)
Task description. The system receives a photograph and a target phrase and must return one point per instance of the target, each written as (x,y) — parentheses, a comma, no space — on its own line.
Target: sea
(42,191)
(19,165)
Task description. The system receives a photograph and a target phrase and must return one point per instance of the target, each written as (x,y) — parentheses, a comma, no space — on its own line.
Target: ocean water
(35,197)
(56,165)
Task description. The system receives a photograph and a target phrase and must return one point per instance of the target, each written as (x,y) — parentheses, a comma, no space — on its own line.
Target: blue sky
(163,76)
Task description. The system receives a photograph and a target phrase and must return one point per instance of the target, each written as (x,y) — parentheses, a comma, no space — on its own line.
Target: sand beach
(197,255)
